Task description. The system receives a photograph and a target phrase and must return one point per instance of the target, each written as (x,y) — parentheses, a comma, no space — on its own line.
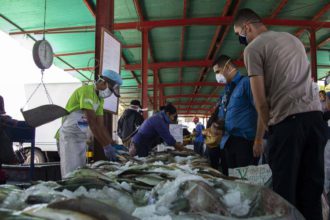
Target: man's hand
(258,148)
(179,146)
(110,152)
(132,150)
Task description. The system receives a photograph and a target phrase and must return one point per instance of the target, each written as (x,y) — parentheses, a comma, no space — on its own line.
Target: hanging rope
(35,90)
(43,84)
(43,37)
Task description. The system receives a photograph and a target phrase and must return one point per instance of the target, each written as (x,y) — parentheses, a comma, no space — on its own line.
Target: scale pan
(43,114)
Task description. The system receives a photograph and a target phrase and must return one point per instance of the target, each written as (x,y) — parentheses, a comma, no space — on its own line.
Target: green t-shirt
(85,97)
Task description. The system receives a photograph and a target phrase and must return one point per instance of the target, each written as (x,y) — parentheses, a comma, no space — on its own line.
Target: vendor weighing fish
(86,111)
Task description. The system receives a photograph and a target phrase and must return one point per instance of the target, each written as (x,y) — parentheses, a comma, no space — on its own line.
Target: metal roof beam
(178,64)
(194,103)
(208,21)
(141,19)
(191,84)
(192,109)
(74,53)
(185,6)
(129,46)
(124,92)
(155,90)
(190,96)
(138,10)
(175,64)
(279,8)
(133,74)
(163,85)
(91,7)
(135,77)
(186,115)
(80,69)
(319,45)
(224,20)
(215,47)
(50,30)
(161,65)
(144,70)
(313,55)
(324,42)
(186,63)
(324,66)
(315,18)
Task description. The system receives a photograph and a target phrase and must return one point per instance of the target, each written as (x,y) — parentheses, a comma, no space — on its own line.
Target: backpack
(128,123)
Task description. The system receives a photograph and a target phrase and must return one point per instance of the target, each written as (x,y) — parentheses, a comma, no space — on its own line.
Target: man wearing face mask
(288,104)
(237,109)
(86,112)
(199,138)
(153,128)
(129,122)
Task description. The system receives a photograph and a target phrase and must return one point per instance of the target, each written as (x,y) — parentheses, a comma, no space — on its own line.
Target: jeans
(199,148)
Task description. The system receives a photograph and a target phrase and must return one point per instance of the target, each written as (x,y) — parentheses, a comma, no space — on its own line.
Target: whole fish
(92,207)
(42,211)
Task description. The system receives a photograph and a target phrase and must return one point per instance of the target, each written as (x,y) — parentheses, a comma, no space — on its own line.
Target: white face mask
(135,107)
(105,93)
(220,78)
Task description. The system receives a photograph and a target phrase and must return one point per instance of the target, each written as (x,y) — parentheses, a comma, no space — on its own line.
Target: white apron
(73,136)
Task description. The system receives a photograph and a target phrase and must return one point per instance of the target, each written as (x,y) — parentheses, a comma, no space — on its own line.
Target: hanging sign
(110,59)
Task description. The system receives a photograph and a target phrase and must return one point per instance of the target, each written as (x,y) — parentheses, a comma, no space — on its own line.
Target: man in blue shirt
(154,127)
(199,139)
(240,142)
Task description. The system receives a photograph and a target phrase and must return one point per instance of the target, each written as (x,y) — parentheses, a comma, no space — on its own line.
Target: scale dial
(43,54)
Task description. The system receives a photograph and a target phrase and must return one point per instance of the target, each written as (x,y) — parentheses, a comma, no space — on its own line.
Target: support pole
(155,90)
(313,54)
(104,18)
(161,96)
(145,45)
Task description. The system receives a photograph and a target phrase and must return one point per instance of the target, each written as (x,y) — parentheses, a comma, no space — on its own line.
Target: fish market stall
(165,185)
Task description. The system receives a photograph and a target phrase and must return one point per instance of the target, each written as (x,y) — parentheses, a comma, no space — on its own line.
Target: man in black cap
(129,122)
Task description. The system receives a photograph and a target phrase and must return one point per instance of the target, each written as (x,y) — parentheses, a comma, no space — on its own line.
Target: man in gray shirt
(288,104)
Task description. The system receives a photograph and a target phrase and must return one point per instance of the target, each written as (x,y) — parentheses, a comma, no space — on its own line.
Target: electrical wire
(95,66)
(45,9)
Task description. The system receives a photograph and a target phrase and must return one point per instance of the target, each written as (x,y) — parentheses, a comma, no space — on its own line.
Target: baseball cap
(136,103)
